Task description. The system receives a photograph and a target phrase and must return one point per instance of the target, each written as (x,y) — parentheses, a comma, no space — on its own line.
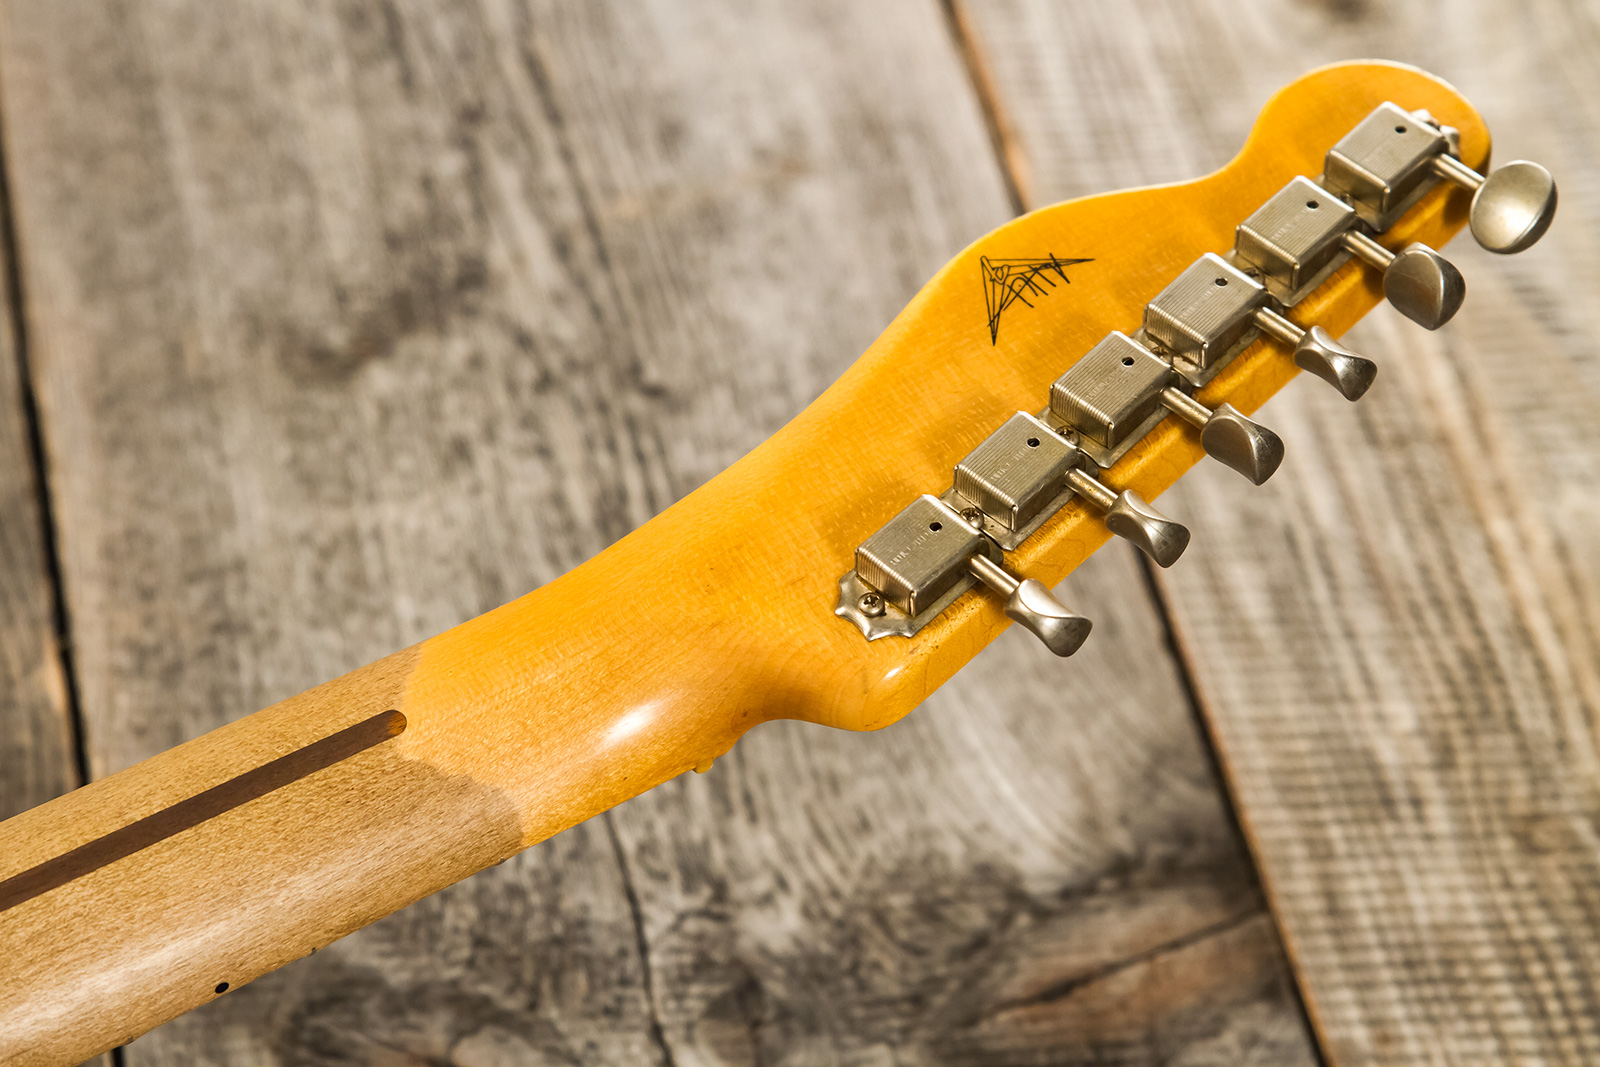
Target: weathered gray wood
(1395,640)
(37,728)
(36,755)
(355,321)
(1031,869)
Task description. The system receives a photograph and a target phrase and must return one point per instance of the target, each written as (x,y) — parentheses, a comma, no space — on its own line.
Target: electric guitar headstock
(1067,368)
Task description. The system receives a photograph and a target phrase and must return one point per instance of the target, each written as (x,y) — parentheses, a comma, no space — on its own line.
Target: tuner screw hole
(1222,281)
(1399,129)
(1127,361)
(1313,204)
(935,526)
(1033,442)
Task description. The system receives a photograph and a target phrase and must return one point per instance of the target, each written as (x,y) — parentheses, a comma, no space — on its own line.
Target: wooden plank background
(346,321)
(37,736)
(1395,640)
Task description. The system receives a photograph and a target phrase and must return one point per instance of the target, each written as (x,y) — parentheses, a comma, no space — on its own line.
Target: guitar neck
(147,893)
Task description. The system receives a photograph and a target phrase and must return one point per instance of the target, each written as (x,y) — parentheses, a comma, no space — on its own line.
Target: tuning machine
(1316,351)
(1304,232)
(1385,164)
(929,554)
(1025,471)
(1111,395)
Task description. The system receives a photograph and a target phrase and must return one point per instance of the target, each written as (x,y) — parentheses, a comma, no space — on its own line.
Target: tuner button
(1156,535)
(1335,364)
(1243,444)
(1513,207)
(1034,606)
(1316,351)
(1030,603)
(1227,436)
(1424,286)
(1127,515)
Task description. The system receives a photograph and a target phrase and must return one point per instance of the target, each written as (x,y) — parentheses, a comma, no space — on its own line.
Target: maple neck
(142,895)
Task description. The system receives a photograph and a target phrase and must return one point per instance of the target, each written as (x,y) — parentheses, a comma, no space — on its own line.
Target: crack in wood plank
(1010,157)
(657,1032)
(1069,986)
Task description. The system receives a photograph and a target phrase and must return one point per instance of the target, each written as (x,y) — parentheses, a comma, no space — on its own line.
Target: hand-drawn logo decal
(1008,280)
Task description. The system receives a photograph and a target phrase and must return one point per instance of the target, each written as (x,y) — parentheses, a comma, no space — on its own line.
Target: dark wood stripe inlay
(167,822)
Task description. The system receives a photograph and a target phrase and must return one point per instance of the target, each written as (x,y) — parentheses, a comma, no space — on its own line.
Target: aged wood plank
(37,725)
(1395,640)
(36,728)
(356,321)
(275,390)
(1030,869)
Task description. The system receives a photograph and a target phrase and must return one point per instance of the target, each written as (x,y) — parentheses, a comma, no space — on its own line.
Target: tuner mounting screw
(974,516)
(871,605)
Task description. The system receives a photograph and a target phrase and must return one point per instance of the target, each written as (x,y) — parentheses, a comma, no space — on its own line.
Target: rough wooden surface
(1395,640)
(36,729)
(350,322)
(38,760)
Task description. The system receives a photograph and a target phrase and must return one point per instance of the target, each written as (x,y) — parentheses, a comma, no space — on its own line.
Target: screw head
(871,605)
(974,516)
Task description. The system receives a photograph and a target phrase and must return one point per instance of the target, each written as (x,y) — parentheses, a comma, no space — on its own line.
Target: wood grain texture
(354,322)
(37,725)
(971,886)
(36,731)
(1395,640)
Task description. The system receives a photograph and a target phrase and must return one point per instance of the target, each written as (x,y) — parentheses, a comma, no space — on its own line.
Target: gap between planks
(14,296)
(1011,159)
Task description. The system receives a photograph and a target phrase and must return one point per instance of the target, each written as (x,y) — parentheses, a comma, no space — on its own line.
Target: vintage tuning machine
(1212,311)
(1304,232)
(1384,165)
(1025,471)
(1111,395)
(929,554)
(1105,403)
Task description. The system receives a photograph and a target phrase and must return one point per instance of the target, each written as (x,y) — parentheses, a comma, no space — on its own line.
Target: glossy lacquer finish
(655,656)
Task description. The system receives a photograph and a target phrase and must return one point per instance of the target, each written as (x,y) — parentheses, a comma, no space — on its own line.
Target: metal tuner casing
(1016,478)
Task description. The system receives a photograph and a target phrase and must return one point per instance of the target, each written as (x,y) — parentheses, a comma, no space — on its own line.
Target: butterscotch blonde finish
(655,656)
